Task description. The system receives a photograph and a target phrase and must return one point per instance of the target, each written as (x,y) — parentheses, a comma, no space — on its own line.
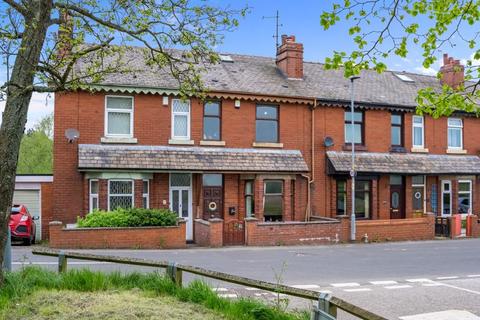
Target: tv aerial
(277,26)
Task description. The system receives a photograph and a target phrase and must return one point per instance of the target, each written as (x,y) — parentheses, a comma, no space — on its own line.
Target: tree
(36,148)
(47,38)
(382,28)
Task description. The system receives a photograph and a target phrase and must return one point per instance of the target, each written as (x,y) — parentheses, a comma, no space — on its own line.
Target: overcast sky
(254,36)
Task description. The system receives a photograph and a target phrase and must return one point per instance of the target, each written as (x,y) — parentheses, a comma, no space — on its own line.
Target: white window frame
(92,196)
(470,193)
(424,186)
(443,182)
(123,194)
(146,196)
(455,127)
(131,112)
(187,137)
(422,127)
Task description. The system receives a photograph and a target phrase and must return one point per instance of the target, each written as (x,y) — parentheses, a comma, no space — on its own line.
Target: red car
(22,225)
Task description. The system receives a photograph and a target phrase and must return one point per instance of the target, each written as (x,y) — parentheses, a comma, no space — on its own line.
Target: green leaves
(134,217)
(380,30)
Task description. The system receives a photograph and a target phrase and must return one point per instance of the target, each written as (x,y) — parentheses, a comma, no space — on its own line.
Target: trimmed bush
(134,217)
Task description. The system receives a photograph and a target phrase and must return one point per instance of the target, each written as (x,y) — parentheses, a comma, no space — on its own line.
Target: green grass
(20,285)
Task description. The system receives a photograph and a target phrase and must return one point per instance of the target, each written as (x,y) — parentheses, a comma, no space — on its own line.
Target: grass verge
(21,287)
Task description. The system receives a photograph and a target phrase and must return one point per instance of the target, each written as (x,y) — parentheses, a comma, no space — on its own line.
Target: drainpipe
(311,178)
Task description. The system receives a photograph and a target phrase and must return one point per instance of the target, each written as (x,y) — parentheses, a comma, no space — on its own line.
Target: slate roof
(404,163)
(168,158)
(259,75)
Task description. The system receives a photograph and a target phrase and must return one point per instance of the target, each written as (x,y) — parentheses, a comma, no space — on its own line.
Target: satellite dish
(72,135)
(328,142)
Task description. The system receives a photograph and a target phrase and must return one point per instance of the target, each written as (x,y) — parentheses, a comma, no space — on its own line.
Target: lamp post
(352,171)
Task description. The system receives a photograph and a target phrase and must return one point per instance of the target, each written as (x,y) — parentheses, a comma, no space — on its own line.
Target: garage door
(31,199)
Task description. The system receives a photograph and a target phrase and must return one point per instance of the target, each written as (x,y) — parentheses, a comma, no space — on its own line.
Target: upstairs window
(357,127)
(273,200)
(455,133)
(396,130)
(119,116)
(211,121)
(418,132)
(120,194)
(93,198)
(266,123)
(180,119)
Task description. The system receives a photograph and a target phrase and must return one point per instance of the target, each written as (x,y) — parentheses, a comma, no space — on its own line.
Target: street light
(352,171)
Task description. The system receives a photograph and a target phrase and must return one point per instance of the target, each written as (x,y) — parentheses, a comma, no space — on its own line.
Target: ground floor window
(418,193)
(93,195)
(249,199)
(446,198)
(464,196)
(120,194)
(341,197)
(362,199)
(273,200)
(146,194)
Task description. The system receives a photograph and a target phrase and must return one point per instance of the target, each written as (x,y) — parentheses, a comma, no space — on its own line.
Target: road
(395,280)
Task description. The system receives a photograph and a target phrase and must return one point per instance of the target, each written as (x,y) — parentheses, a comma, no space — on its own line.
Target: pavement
(400,280)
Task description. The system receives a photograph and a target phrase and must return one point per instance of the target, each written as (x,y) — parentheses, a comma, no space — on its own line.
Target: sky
(255,36)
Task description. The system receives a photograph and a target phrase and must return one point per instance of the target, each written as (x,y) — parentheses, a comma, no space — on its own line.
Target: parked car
(22,224)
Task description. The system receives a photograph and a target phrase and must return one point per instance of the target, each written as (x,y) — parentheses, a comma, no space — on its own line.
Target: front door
(397,210)
(181,200)
(212,202)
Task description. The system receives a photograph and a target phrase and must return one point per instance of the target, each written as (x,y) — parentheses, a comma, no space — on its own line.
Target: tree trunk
(16,107)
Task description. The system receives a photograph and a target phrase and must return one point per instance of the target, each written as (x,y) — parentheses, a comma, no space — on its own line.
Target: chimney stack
(453,73)
(64,35)
(290,57)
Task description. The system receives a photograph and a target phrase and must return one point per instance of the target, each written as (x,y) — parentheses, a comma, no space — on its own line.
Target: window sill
(419,150)
(181,142)
(456,151)
(348,147)
(398,149)
(267,145)
(118,140)
(212,143)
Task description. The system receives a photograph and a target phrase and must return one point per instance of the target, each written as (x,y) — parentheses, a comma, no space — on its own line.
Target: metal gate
(442,227)
(234,233)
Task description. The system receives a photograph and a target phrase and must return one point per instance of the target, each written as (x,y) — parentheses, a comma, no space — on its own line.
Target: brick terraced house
(250,164)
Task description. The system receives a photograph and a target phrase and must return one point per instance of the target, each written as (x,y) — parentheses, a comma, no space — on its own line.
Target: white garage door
(31,199)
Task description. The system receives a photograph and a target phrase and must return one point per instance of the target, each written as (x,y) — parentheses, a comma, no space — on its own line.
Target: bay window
(119,116)
(120,194)
(341,197)
(146,194)
(93,195)
(464,196)
(362,199)
(273,200)
(249,199)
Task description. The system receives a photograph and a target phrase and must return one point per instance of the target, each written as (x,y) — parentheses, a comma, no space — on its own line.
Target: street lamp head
(353,78)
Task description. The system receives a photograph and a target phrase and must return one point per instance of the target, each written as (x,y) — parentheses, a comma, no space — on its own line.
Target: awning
(92,157)
(339,162)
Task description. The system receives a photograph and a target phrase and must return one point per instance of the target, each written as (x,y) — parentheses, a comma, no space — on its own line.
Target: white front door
(181,200)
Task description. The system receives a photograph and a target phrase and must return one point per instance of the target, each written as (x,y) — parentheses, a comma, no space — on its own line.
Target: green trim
(130,90)
(119,175)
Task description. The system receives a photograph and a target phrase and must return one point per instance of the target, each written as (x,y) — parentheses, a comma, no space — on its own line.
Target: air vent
(225,58)
(404,77)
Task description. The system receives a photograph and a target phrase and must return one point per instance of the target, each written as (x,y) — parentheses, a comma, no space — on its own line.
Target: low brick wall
(118,238)
(473,226)
(209,233)
(397,229)
(294,232)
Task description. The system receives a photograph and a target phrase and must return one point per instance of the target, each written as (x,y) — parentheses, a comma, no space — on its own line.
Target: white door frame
(189,219)
(443,182)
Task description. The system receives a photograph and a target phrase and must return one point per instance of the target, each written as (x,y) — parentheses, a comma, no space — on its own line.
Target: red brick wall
(118,238)
(209,233)
(397,230)
(47,207)
(294,233)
